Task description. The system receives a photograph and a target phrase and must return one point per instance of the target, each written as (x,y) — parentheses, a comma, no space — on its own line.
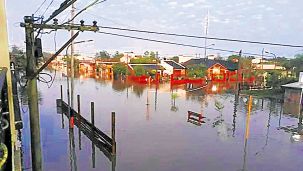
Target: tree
(139,70)
(175,58)
(118,55)
(120,69)
(275,79)
(152,54)
(146,53)
(144,60)
(103,54)
(196,71)
(19,57)
(233,58)
(296,64)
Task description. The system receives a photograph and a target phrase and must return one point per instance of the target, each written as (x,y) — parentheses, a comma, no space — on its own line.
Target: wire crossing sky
(279,21)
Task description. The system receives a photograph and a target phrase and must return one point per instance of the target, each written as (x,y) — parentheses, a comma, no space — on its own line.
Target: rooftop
(174,64)
(296,85)
(148,66)
(209,63)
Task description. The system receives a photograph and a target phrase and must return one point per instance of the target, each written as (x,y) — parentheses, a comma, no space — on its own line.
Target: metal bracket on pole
(93,28)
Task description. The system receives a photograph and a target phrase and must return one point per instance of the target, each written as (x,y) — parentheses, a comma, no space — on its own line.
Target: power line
(40,6)
(47,7)
(202,37)
(84,9)
(175,43)
(110,20)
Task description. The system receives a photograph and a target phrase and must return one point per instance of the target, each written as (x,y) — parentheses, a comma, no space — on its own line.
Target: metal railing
(4,124)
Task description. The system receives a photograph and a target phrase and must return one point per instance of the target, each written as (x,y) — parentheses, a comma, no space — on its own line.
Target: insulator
(55,21)
(95,23)
(82,23)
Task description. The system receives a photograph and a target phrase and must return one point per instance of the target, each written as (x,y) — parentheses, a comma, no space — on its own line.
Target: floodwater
(159,136)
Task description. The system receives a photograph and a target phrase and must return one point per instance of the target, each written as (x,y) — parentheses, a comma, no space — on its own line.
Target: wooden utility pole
(72,59)
(32,94)
(239,72)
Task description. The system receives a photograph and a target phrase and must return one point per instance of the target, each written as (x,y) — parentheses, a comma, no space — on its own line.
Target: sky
(277,21)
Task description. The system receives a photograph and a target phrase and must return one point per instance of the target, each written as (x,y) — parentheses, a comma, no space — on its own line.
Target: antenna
(206,31)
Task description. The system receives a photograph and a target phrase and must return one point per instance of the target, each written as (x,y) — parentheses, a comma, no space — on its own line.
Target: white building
(172,67)
(127,57)
(183,58)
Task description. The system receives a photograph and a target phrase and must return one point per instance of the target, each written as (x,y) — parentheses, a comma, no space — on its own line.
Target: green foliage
(68,60)
(19,57)
(275,79)
(297,64)
(152,54)
(144,60)
(196,71)
(118,55)
(233,57)
(175,58)
(120,69)
(103,54)
(146,53)
(139,70)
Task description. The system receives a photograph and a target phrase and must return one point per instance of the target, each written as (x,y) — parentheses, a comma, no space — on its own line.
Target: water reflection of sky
(155,137)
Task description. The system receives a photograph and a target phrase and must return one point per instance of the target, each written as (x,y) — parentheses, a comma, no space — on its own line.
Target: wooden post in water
(79,121)
(92,114)
(61,93)
(114,133)
(61,105)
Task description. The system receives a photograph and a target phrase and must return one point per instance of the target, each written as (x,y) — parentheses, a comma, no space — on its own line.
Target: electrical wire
(54,76)
(40,6)
(84,9)
(110,20)
(47,7)
(202,37)
(179,44)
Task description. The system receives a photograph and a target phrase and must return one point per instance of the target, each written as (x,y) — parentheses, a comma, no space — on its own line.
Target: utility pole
(32,94)
(239,72)
(72,59)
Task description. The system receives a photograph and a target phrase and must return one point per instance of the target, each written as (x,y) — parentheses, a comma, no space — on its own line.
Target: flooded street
(160,136)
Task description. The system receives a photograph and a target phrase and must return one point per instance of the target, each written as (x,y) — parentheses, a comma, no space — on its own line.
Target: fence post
(92,113)
(79,120)
(114,133)
(61,93)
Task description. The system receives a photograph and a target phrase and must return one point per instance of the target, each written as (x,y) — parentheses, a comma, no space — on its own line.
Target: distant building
(183,58)
(172,67)
(127,57)
(213,56)
(217,70)
(268,67)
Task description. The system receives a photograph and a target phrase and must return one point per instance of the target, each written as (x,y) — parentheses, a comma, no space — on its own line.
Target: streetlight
(70,98)
(275,57)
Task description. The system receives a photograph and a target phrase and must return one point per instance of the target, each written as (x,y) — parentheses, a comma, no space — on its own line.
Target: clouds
(188,5)
(232,18)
